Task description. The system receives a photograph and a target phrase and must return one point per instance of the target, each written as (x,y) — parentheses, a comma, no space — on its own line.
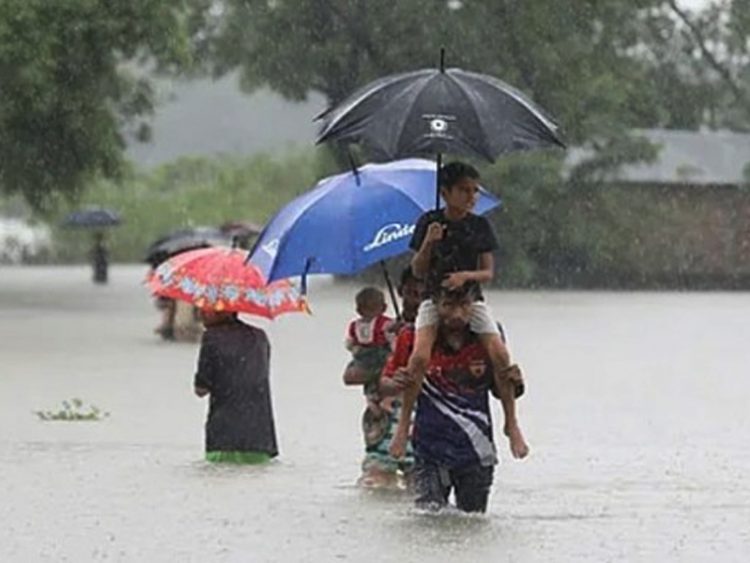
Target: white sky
(694,4)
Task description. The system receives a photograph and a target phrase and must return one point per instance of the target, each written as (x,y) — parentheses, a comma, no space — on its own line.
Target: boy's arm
(483,274)
(420,262)
(426,233)
(488,244)
(486,269)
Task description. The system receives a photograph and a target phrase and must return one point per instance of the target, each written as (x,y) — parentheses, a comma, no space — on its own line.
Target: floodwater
(636,412)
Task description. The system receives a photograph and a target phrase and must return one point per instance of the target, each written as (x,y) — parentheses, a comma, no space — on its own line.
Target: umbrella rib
(343,111)
(423,86)
(518,97)
(468,97)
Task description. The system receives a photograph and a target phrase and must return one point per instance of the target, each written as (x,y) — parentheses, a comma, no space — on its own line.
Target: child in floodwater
(369,338)
(379,468)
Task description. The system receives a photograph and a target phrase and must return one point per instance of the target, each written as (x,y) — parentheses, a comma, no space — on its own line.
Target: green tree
(71,87)
(328,46)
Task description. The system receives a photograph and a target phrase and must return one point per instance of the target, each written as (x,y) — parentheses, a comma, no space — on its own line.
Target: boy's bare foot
(518,446)
(397,448)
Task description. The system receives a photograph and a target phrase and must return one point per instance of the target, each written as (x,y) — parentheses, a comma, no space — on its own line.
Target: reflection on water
(636,413)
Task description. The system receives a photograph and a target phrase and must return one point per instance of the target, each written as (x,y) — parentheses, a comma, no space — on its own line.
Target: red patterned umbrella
(219,279)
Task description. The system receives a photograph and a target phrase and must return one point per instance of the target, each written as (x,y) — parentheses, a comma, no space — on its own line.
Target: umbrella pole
(353,164)
(389,283)
(439,155)
(439,165)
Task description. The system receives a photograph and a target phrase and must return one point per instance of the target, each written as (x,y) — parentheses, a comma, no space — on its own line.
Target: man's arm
(395,384)
(486,270)
(394,378)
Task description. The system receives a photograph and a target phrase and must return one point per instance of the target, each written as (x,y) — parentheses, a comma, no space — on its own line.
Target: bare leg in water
(505,386)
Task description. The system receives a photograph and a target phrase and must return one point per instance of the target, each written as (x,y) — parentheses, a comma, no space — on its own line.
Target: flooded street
(636,413)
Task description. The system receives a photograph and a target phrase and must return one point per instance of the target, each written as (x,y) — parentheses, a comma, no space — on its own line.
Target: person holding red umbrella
(233,369)
(234,359)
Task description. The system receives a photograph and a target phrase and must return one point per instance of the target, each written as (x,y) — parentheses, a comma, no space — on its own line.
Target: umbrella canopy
(92,218)
(351,221)
(433,111)
(220,279)
(185,239)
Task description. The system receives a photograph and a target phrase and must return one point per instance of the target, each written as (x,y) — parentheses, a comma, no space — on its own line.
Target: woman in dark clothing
(233,368)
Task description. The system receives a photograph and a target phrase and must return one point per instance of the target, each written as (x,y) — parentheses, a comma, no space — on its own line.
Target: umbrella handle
(353,164)
(389,283)
(439,164)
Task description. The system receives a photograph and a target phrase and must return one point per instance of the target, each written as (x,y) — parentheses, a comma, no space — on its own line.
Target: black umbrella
(92,218)
(185,239)
(435,111)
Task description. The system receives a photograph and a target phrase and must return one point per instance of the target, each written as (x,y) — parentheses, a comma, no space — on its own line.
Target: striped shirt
(453,425)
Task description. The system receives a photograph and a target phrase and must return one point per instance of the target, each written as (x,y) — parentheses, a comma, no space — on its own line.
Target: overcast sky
(693,4)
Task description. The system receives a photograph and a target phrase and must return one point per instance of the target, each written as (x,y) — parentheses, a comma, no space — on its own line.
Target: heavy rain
(427,280)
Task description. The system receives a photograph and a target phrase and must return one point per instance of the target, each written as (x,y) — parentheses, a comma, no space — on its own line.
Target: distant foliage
(69,88)
(189,192)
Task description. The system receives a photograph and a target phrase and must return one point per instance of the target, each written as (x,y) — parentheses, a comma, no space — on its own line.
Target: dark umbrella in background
(185,239)
(96,219)
(241,232)
(92,218)
(192,238)
(436,111)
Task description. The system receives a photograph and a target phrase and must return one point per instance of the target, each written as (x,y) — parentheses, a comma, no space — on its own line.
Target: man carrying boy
(454,251)
(453,438)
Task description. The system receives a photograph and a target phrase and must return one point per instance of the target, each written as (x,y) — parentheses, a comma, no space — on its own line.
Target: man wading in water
(453,438)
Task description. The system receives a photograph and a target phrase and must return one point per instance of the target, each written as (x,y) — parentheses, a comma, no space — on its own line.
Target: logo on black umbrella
(438,124)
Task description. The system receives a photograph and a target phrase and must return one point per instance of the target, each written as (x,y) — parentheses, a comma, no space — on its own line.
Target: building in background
(685,217)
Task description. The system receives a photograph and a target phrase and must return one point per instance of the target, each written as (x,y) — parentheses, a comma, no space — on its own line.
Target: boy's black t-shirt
(459,250)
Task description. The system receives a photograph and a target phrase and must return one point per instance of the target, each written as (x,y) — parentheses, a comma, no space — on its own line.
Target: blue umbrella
(351,221)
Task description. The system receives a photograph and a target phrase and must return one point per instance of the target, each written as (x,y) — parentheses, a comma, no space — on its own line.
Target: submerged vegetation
(73,410)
